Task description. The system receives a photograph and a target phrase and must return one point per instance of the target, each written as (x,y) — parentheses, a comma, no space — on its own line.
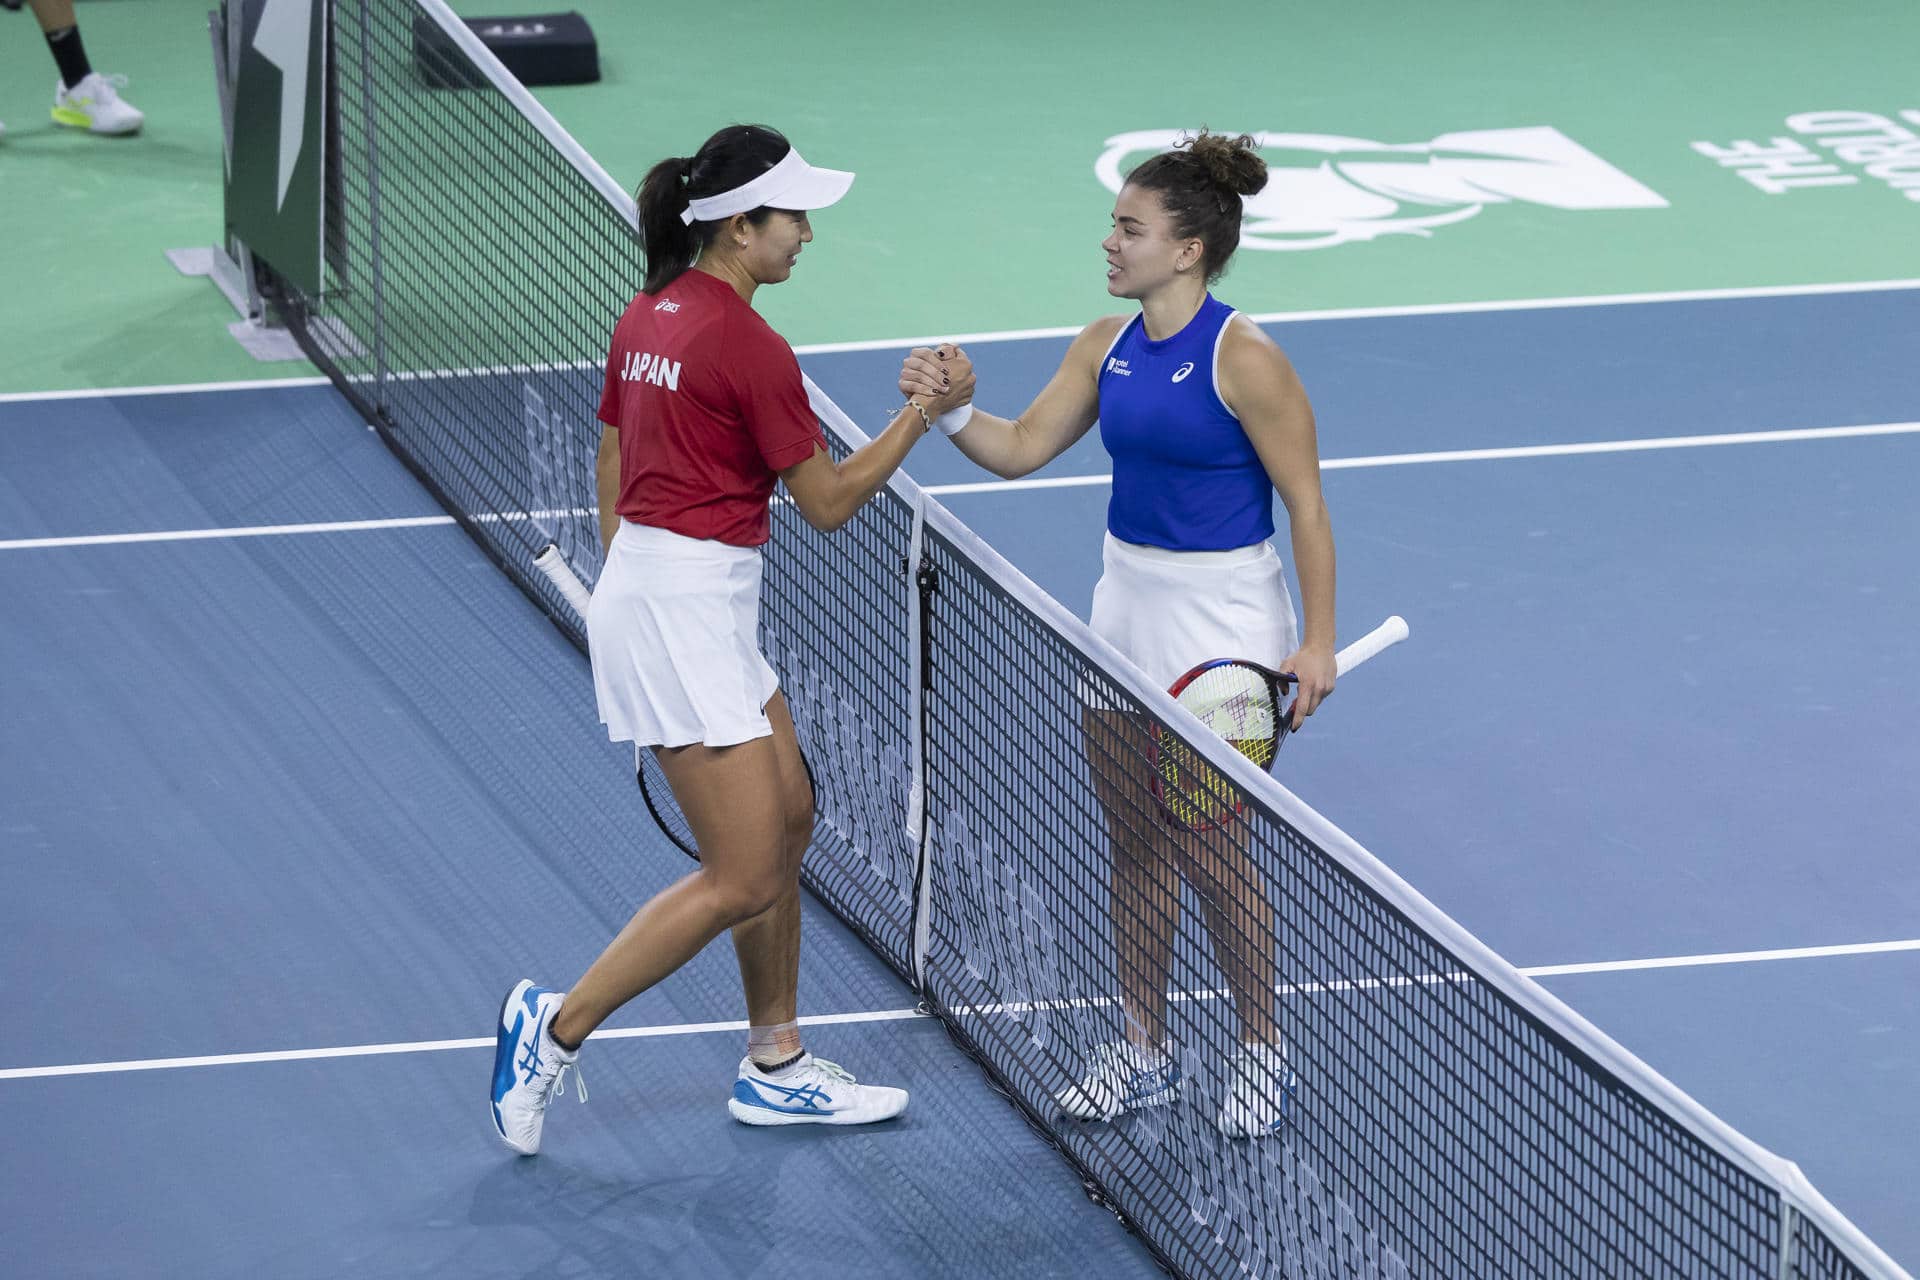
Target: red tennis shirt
(710,408)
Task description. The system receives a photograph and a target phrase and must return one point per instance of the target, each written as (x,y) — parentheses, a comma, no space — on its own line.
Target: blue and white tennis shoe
(811,1091)
(1121,1077)
(529,1069)
(1260,1092)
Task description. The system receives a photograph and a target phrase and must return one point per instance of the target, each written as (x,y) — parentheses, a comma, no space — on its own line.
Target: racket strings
(1237,704)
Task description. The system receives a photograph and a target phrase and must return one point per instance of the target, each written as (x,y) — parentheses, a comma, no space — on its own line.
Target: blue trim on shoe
(810,1096)
(504,1074)
(1147,1085)
(1289,1091)
(507,1043)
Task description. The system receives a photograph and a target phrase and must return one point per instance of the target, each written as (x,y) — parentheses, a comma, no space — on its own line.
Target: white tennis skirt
(674,633)
(1170,611)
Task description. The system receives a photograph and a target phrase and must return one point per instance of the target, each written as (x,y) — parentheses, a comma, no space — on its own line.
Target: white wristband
(953,420)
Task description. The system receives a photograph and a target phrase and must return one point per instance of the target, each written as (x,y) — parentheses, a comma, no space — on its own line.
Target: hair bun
(1233,164)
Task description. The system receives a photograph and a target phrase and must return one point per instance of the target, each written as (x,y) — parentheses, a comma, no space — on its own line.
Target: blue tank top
(1185,476)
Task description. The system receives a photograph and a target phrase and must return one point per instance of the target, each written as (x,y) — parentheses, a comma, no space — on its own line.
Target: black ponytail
(732,157)
(670,243)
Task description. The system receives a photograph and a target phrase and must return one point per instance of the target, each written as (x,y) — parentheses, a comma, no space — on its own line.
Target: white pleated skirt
(674,634)
(1170,611)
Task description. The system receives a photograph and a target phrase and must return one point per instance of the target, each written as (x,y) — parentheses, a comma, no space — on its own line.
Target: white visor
(791,184)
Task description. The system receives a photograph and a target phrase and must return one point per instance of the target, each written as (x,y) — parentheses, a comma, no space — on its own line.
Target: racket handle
(1370,645)
(560,574)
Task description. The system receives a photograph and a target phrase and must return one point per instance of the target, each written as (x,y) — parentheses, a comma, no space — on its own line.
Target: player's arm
(828,493)
(1059,416)
(1260,386)
(606,483)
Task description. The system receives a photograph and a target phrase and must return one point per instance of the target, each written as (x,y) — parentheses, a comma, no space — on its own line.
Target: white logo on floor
(1325,189)
(1875,145)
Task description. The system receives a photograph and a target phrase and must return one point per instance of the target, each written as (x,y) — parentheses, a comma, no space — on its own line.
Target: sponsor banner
(274,182)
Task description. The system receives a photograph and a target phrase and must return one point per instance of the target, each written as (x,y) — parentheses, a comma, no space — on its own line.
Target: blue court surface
(295,788)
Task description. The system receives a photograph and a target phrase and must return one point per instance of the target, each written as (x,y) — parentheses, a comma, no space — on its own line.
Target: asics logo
(1180,374)
(530,1060)
(666,304)
(809,1097)
(1145,1085)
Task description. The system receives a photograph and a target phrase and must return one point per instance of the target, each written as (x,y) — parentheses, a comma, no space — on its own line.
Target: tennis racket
(551,563)
(1248,705)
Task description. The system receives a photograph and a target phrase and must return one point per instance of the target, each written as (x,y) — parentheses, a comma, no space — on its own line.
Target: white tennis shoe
(1121,1077)
(811,1091)
(95,105)
(1260,1093)
(529,1069)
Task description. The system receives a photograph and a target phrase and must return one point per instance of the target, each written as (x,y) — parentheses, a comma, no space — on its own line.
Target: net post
(1786,1271)
(230,264)
(369,90)
(921,577)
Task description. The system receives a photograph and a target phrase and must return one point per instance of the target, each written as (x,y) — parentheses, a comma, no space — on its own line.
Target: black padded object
(551,48)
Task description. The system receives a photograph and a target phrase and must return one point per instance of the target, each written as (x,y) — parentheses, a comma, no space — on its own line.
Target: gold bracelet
(920,409)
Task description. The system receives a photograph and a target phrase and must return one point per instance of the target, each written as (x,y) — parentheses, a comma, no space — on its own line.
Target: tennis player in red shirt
(704,410)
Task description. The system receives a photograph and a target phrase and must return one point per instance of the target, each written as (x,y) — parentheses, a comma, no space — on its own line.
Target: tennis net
(1451,1117)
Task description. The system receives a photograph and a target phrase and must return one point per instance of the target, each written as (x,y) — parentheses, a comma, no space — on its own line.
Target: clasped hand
(941,378)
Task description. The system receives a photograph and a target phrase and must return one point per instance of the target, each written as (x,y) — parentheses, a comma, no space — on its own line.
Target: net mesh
(448,316)
(1439,1126)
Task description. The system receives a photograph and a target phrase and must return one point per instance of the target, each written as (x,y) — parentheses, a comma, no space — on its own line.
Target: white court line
(277,530)
(1067,331)
(897,1015)
(1016,486)
(246,531)
(1625,446)
(1389,313)
(170,389)
(423,1046)
(1490,455)
(1724,957)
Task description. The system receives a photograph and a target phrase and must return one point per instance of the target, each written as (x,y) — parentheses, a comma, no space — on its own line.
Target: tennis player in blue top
(1205,420)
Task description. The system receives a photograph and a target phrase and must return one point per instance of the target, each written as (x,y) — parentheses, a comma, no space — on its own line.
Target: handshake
(940,380)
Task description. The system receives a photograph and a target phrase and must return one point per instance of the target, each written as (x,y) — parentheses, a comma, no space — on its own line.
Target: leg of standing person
(83,98)
(768,946)
(731,799)
(779,1082)
(1240,922)
(1144,899)
(730,796)
(741,803)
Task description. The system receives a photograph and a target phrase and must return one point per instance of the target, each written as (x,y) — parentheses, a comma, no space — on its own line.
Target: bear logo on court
(1324,189)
